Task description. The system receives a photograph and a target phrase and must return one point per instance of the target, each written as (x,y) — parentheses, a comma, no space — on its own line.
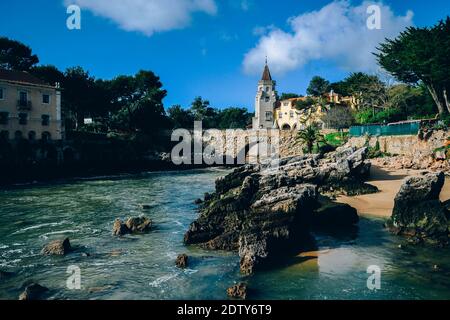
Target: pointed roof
(266,76)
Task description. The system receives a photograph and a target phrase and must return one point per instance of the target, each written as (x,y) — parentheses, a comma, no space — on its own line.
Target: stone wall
(412,146)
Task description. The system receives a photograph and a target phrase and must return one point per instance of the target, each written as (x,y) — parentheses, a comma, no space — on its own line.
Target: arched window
(4,135)
(46,136)
(32,135)
(18,135)
(286,127)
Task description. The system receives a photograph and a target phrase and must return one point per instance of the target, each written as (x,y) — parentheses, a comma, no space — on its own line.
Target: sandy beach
(389,182)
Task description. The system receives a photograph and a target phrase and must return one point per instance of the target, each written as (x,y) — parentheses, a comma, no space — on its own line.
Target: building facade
(266,99)
(29,108)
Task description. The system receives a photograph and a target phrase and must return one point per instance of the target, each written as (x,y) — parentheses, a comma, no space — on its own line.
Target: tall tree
(318,86)
(15,55)
(421,54)
(48,73)
(78,88)
(180,117)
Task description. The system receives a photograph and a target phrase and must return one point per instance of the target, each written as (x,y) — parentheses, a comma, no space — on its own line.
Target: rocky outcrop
(418,213)
(57,247)
(33,291)
(258,210)
(132,225)
(182,261)
(238,291)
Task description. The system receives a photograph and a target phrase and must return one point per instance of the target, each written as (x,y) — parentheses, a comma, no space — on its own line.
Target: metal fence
(393,129)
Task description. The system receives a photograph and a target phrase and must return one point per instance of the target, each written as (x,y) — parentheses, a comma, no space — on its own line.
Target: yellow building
(29,107)
(289,117)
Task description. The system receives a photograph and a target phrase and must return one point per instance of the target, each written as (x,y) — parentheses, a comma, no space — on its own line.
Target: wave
(162,279)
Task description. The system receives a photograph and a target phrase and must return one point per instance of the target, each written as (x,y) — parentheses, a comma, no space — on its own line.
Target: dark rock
(33,291)
(146,206)
(418,214)
(119,228)
(263,211)
(138,224)
(198,201)
(132,225)
(334,215)
(238,291)
(57,247)
(182,261)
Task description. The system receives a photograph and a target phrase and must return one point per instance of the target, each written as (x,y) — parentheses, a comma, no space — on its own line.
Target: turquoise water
(142,266)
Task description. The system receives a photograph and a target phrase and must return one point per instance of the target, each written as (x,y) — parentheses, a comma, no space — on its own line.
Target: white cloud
(148,16)
(337,32)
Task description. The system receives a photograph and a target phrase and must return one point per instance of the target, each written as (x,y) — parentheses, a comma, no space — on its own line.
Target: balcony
(24,104)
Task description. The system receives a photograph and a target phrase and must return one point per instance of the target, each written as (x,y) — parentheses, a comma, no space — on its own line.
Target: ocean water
(142,266)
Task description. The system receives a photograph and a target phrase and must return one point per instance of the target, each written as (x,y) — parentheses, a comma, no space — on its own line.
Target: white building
(266,98)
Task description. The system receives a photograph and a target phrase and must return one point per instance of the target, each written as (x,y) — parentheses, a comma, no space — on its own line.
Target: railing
(393,129)
(24,105)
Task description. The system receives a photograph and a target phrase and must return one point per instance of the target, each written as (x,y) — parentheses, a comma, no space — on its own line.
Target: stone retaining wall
(410,145)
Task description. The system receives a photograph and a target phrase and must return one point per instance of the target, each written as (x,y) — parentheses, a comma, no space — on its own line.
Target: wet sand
(389,182)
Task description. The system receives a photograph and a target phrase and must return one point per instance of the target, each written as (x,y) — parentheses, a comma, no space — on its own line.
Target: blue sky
(213,48)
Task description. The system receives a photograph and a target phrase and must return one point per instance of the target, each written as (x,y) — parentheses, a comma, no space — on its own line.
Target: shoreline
(388,182)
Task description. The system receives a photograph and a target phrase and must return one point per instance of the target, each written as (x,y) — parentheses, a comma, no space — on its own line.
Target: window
(46,136)
(285,104)
(4,117)
(23,98)
(267,99)
(280,115)
(23,118)
(4,135)
(2,94)
(267,89)
(45,120)
(18,135)
(32,135)
(46,98)
(268,116)
(291,114)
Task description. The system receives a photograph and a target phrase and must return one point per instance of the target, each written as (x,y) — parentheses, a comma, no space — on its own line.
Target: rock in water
(182,261)
(33,291)
(238,291)
(132,225)
(119,228)
(418,213)
(263,211)
(57,247)
(139,224)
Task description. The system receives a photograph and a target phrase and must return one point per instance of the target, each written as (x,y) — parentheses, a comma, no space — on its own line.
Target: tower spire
(266,76)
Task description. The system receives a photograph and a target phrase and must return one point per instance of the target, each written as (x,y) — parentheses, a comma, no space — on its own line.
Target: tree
(421,54)
(180,118)
(309,136)
(285,96)
(339,117)
(77,99)
(48,73)
(306,103)
(15,55)
(318,86)
(234,118)
(202,111)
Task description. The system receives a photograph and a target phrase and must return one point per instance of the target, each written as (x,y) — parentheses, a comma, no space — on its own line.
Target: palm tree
(309,136)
